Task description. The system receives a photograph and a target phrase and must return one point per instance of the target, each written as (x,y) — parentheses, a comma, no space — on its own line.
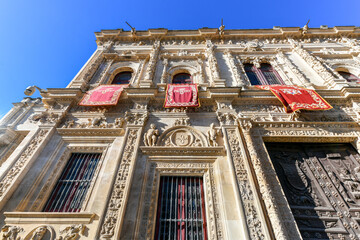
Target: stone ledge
(184,151)
(48,217)
(91,131)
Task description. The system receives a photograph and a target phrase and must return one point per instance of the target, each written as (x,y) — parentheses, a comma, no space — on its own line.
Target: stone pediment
(182,136)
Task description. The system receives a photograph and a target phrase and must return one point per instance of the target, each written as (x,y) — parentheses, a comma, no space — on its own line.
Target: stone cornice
(47,217)
(214,32)
(183,151)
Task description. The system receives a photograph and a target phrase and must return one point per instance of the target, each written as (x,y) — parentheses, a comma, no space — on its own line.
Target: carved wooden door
(322,185)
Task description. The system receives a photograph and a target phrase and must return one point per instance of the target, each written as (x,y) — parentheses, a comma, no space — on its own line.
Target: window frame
(185,81)
(261,77)
(122,72)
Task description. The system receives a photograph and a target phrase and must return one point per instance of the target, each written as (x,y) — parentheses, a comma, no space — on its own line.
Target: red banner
(103,95)
(295,98)
(181,95)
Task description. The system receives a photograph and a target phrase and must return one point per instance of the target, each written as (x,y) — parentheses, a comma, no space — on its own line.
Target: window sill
(49,217)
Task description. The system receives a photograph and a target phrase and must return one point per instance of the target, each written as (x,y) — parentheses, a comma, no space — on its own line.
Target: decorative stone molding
(9,232)
(301,77)
(164,74)
(227,118)
(95,122)
(136,118)
(46,117)
(182,122)
(234,69)
(149,74)
(116,206)
(72,232)
(210,54)
(41,232)
(212,205)
(253,220)
(21,163)
(182,136)
(46,189)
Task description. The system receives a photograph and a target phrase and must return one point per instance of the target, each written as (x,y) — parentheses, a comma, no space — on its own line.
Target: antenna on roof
(133,30)
(221,28)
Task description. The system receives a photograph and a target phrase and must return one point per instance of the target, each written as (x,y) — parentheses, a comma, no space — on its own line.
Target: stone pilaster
(210,52)
(115,211)
(150,71)
(234,69)
(279,214)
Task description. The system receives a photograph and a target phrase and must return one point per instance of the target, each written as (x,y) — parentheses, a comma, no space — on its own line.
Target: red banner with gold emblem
(295,98)
(103,95)
(181,95)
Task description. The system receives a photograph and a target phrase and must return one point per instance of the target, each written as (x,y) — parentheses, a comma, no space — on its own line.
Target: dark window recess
(265,75)
(181,209)
(122,78)
(250,71)
(73,184)
(182,78)
(349,77)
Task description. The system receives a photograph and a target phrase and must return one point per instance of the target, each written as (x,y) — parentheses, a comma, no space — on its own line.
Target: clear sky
(46,42)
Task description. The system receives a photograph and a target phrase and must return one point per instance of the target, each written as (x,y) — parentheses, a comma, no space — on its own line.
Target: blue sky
(45,43)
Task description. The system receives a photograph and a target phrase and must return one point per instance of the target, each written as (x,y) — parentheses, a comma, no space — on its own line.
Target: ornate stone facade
(266,174)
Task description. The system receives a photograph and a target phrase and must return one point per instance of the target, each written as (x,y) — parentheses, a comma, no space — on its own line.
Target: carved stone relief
(182,136)
(72,232)
(11,232)
(20,164)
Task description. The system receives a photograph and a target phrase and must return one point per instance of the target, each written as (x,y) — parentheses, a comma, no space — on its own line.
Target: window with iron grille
(181,209)
(74,182)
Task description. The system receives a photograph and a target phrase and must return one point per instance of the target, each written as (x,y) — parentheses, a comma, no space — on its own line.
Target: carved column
(210,52)
(240,64)
(301,77)
(139,73)
(115,211)
(105,72)
(201,75)
(276,207)
(234,69)
(164,75)
(149,74)
(254,224)
(328,77)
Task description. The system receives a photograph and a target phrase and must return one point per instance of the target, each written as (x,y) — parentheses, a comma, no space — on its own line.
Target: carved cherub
(212,135)
(151,136)
(73,232)
(11,232)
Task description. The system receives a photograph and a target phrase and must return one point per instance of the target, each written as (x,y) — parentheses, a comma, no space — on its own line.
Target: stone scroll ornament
(296,98)
(182,95)
(103,95)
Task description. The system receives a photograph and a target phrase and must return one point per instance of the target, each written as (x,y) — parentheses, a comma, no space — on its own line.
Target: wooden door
(322,185)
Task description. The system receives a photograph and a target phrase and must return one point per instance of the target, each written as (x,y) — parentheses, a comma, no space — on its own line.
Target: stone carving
(152,61)
(39,233)
(252,217)
(164,72)
(72,232)
(151,135)
(210,52)
(212,135)
(11,232)
(96,122)
(182,136)
(182,122)
(136,118)
(234,69)
(45,117)
(312,61)
(227,118)
(281,56)
(21,162)
(116,202)
(253,46)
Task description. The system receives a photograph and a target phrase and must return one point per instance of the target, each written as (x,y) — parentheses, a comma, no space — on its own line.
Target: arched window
(182,78)
(122,78)
(265,75)
(349,77)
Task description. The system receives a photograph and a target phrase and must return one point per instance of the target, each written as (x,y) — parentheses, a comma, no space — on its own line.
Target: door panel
(322,185)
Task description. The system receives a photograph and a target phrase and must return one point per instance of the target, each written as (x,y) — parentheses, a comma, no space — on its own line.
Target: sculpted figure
(39,233)
(11,232)
(212,135)
(151,136)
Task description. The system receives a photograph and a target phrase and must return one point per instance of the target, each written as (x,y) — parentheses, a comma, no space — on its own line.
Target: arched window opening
(270,75)
(122,78)
(250,71)
(265,75)
(182,78)
(349,77)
